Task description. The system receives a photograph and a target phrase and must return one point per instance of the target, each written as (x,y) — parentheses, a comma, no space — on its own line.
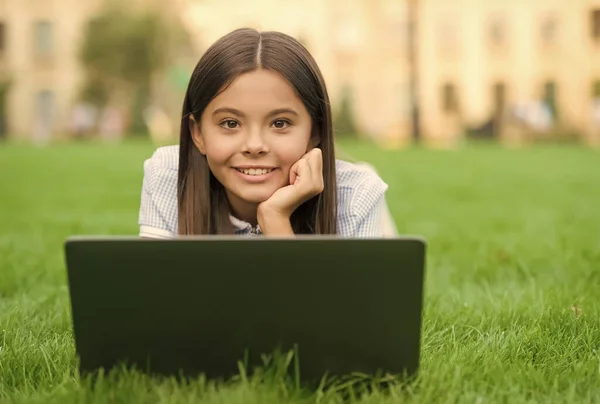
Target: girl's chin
(256,196)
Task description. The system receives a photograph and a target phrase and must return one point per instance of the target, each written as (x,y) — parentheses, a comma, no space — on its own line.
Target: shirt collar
(243,226)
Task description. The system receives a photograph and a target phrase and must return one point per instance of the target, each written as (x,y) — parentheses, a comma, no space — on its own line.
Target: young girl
(256,153)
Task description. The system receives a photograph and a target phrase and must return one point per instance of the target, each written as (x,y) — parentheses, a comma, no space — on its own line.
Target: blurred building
(40,74)
(39,68)
(505,67)
(494,68)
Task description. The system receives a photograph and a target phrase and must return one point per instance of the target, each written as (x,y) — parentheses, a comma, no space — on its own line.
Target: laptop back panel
(201,305)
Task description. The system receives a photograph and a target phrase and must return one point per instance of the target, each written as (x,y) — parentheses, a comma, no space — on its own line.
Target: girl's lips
(255,175)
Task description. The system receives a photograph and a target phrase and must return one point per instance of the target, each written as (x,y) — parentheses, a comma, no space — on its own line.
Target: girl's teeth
(255,171)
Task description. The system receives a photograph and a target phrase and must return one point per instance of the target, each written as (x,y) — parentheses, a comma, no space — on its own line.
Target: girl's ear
(197,137)
(315,140)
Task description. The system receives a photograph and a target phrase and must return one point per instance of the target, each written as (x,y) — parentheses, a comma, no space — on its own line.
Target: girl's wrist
(274,223)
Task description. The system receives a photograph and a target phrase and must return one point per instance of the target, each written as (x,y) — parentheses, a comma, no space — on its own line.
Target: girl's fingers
(316,168)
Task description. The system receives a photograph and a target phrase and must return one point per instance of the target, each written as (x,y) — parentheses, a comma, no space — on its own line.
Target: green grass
(512,308)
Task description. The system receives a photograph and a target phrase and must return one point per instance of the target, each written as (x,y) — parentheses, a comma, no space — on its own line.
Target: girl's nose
(254,143)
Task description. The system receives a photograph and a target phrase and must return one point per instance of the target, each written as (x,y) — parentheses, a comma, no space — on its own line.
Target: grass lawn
(512,309)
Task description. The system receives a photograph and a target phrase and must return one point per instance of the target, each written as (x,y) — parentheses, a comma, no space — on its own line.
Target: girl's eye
(281,124)
(229,124)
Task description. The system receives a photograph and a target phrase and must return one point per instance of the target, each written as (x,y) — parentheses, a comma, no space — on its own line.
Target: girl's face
(251,134)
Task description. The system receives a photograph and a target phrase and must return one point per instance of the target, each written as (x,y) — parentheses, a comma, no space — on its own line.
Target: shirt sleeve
(371,215)
(157,202)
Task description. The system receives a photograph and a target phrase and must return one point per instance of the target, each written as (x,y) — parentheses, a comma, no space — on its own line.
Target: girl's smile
(255,174)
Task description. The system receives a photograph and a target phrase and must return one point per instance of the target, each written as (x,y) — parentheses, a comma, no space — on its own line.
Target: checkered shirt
(361,199)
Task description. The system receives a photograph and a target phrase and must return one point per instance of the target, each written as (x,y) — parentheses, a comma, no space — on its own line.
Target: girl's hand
(306,182)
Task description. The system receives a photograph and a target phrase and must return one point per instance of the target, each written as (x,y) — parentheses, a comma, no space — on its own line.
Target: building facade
(480,65)
(483,62)
(38,63)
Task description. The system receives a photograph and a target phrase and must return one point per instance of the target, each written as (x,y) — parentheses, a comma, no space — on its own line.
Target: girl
(256,153)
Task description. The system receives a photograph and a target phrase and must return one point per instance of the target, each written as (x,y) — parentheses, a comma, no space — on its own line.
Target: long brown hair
(203,205)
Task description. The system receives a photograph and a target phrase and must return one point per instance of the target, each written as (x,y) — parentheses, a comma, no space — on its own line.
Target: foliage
(123,48)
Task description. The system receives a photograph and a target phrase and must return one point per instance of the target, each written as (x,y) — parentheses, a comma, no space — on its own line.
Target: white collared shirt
(361,199)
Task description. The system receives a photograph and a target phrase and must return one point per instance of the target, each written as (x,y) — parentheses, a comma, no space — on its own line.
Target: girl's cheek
(291,152)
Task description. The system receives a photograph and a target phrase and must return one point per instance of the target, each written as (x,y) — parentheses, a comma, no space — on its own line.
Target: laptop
(196,306)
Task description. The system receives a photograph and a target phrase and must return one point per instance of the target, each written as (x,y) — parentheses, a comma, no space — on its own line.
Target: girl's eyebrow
(283,111)
(242,115)
(229,110)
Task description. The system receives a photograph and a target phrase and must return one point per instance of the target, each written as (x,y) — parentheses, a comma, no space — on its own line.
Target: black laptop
(203,305)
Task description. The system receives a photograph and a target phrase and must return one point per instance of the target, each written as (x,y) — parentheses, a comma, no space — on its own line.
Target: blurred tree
(95,91)
(123,49)
(343,121)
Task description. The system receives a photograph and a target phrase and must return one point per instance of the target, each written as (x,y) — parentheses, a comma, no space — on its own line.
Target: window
(549,29)
(595,24)
(44,38)
(449,98)
(45,105)
(497,30)
(44,115)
